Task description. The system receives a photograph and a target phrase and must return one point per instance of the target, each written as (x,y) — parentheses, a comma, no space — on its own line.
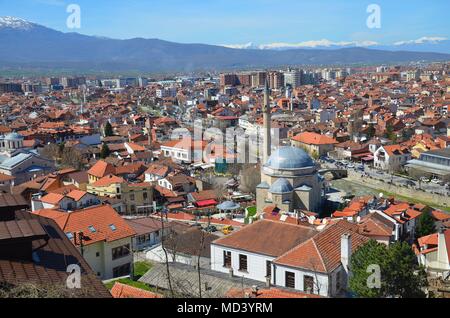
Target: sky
(238,22)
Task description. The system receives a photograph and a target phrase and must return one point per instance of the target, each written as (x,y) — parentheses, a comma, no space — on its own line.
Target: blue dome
(281,186)
(228,205)
(290,158)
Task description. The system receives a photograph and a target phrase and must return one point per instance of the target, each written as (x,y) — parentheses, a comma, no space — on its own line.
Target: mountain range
(28,45)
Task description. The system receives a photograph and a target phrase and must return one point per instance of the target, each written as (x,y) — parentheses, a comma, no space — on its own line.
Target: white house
(74,200)
(391,158)
(290,255)
(434,253)
(101,235)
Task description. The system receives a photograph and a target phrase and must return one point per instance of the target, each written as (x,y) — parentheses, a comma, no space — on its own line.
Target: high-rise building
(245,79)
(259,79)
(293,78)
(276,80)
(228,80)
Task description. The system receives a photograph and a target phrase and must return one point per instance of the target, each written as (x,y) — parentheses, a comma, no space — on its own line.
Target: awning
(368,158)
(205,203)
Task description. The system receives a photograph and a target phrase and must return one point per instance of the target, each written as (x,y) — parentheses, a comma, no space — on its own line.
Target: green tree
(425,225)
(400,274)
(371,131)
(105,152)
(404,277)
(108,129)
(372,253)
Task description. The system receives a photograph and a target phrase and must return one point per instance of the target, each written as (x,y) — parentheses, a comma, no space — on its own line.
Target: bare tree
(71,157)
(250,178)
(163,245)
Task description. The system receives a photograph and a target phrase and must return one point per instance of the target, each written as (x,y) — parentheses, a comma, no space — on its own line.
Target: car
(227,229)
(410,183)
(211,229)
(436,181)
(380,172)
(351,166)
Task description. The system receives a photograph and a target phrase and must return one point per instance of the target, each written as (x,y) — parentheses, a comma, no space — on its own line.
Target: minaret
(148,124)
(267,124)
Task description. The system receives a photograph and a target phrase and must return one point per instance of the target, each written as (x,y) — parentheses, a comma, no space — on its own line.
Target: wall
(256,263)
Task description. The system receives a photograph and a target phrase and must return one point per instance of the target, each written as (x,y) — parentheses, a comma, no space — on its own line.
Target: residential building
(103,238)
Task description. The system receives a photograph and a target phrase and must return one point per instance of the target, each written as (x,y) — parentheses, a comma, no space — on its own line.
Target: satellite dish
(381,195)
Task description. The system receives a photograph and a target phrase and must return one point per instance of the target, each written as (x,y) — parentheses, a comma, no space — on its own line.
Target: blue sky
(242,21)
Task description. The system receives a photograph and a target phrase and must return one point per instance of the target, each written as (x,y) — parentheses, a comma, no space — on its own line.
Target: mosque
(289,177)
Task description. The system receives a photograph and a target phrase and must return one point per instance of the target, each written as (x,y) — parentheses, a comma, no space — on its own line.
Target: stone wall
(420,195)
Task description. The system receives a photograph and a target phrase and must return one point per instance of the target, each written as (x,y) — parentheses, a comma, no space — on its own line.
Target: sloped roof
(322,253)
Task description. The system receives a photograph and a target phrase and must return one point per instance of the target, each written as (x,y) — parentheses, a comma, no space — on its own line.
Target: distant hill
(25,44)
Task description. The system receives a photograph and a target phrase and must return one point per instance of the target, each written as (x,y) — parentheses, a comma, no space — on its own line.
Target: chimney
(346,250)
(268,281)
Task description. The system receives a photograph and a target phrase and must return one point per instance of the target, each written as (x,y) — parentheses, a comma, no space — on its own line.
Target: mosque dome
(290,158)
(281,186)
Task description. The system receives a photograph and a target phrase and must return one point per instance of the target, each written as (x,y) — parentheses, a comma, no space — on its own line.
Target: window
(308,284)
(226,259)
(121,271)
(112,227)
(69,235)
(145,195)
(97,254)
(290,280)
(92,229)
(242,263)
(133,208)
(132,196)
(120,251)
(268,269)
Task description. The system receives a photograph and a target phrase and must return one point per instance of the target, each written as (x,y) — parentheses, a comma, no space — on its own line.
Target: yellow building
(136,197)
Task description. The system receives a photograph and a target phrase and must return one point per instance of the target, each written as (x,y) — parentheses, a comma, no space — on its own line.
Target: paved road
(429,187)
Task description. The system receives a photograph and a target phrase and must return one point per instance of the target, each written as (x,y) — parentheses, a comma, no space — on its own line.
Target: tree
(405,278)
(51,151)
(425,225)
(372,253)
(250,178)
(371,131)
(108,130)
(105,152)
(71,157)
(400,274)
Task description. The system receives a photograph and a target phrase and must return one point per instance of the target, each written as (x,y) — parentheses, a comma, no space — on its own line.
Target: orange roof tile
(101,169)
(120,290)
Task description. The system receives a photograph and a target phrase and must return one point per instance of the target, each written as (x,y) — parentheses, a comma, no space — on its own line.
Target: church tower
(267,124)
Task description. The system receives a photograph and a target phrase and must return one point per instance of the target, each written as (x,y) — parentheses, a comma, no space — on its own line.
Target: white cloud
(422,40)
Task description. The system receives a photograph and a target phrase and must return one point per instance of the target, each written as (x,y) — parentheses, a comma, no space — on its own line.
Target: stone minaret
(267,124)
(149,130)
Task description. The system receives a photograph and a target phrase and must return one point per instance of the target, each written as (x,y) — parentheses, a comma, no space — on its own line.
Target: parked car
(211,229)
(227,229)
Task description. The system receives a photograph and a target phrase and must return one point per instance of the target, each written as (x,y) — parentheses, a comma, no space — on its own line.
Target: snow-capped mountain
(25,44)
(16,23)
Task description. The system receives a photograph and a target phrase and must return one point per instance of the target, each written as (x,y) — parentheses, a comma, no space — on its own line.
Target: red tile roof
(101,169)
(322,253)
(120,290)
(311,138)
(99,217)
